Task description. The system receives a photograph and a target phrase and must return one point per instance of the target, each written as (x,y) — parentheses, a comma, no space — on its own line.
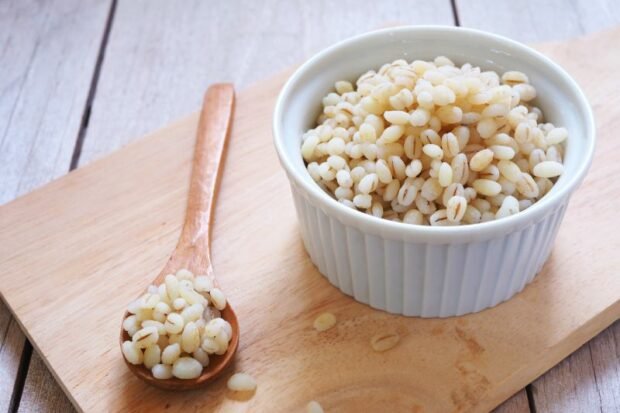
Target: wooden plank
(161,57)
(535,21)
(41,392)
(12,342)
(588,380)
(47,59)
(605,352)
(516,404)
(115,222)
(568,387)
(573,385)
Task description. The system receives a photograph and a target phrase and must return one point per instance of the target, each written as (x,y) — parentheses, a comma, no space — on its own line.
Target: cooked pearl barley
(396,142)
(368,184)
(203,283)
(201,356)
(384,341)
(527,186)
(408,192)
(218,299)
(172,286)
(163,308)
(344,179)
(445,174)
(179,303)
(186,368)
(184,274)
(174,323)
(171,321)
(413,216)
(513,77)
(241,382)
(343,87)
(419,117)
(554,153)
(152,356)
(439,218)
(502,152)
(510,206)
(132,353)
(162,371)
(491,172)
(548,169)
(391,134)
(472,215)
(509,170)
(431,190)
(216,327)
(414,168)
(131,325)
(556,135)
(487,187)
(481,160)
(455,209)
(362,201)
(171,353)
(192,313)
(190,339)
(161,330)
(526,92)
(433,151)
(324,322)
(396,117)
(145,337)
(209,345)
(314,407)
(149,301)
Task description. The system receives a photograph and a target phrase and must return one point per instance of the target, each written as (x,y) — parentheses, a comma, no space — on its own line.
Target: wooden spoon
(193,250)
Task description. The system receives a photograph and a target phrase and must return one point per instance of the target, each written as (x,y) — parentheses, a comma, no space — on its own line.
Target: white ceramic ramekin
(421,270)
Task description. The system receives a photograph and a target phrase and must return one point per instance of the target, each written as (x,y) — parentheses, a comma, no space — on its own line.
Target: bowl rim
(382,226)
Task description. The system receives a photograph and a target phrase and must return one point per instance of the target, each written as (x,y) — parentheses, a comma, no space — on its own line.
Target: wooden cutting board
(73,253)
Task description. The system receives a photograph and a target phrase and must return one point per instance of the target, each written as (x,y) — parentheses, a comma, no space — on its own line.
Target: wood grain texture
(161,56)
(573,385)
(516,404)
(605,353)
(578,383)
(47,53)
(536,21)
(46,75)
(586,381)
(41,392)
(47,81)
(115,221)
(12,342)
(193,250)
(289,32)
(569,386)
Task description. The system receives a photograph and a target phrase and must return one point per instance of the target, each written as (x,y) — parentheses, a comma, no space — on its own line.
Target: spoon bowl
(193,250)
(216,363)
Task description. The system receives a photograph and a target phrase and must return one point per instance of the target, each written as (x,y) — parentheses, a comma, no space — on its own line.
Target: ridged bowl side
(420,279)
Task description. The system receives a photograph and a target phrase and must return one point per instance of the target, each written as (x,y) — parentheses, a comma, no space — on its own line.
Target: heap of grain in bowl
(175,327)
(431,143)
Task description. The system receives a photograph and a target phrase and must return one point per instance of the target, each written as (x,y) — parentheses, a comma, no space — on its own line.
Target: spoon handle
(213,130)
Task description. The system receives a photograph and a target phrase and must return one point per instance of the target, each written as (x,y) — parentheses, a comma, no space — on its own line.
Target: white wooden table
(81,78)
